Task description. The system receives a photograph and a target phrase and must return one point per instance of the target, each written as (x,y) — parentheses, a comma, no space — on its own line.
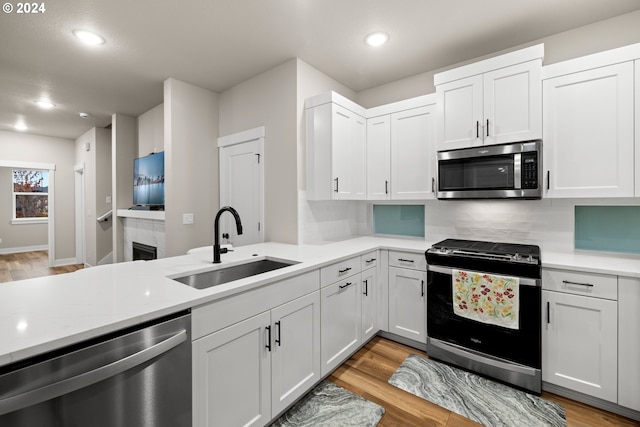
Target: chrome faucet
(216,232)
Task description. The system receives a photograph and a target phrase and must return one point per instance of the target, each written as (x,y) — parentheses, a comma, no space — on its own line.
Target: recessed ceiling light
(42,103)
(84,115)
(376,39)
(21,126)
(88,37)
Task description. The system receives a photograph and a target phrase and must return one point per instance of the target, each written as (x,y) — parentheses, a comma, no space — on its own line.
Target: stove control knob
(517,257)
(530,259)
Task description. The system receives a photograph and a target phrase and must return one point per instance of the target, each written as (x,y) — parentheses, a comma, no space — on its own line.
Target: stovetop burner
(512,252)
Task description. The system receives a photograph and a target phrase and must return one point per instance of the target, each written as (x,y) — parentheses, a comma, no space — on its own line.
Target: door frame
(256,134)
(79,212)
(51,222)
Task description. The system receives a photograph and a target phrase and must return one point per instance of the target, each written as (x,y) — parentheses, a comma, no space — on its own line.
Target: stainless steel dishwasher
(135,377)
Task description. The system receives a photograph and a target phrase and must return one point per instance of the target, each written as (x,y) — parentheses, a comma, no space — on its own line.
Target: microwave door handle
(517,171)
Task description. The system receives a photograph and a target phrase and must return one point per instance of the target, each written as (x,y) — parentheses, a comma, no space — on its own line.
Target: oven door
(520,345)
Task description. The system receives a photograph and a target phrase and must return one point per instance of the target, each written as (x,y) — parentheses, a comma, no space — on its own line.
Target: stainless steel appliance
(491,172)
(510,354)
(135,377)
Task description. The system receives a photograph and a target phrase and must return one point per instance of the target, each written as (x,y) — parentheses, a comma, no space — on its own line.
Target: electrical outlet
(0,241)
(108,199)
(187,218)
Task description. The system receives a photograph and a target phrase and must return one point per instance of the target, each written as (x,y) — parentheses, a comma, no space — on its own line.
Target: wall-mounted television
(148,180)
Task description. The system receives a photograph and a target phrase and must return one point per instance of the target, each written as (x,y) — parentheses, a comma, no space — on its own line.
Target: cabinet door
(340,311)
(580,344)
(232,375)
(378,155)
(413,153)
(629,344)
(513,104)
(348,154)
(295,355)
(459,113)
(407,303)
(637,126)
(588,133)
(370,291)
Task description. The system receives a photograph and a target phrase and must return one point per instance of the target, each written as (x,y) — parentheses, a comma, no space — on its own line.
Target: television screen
(148,180)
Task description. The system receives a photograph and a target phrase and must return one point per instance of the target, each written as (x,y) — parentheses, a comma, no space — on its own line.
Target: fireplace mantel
(130,213)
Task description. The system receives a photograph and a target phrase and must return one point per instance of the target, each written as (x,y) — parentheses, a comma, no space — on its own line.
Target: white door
(580,344)
(407,303)
(513,104)
(295,354)
(588,142)
(233,387)
(242,187)
(413,153)
(378,158)
(348,157)
(369,297)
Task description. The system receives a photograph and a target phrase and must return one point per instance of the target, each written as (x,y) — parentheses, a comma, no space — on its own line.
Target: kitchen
(333,221)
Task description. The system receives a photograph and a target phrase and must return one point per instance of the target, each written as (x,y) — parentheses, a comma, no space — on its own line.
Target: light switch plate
(187,218)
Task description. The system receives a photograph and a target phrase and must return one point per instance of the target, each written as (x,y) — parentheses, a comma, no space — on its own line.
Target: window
(30,195)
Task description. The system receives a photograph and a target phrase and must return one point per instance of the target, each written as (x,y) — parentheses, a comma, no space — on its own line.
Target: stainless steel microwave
(507,171)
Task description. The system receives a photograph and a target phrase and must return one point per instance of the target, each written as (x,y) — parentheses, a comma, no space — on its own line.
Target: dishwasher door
(135,377)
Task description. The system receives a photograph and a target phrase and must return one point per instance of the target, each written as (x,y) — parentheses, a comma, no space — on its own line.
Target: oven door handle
(524,281)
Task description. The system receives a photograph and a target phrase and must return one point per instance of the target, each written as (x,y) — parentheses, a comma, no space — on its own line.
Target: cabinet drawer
(580,283)
(338,271)
(370,259)
(413,260)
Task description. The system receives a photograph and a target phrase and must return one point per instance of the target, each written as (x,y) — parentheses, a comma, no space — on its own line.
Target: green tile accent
(399,220)
(608,228)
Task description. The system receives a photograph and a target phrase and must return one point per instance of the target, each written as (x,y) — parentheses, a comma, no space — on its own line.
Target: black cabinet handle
(369,261)
(487,127)
(345,270)
(346,285)
(477,129)
(366,288)
(433,185)
(279,334)
(422,285)
(405,260)
(268,346)
(336,189)
(567,282)
(386,187)
(548,179)
(548,313)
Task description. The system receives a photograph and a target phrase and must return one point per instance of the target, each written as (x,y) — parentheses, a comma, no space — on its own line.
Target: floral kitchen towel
(486,298)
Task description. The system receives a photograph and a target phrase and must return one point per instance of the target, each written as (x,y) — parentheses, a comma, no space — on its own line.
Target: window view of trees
(31,193)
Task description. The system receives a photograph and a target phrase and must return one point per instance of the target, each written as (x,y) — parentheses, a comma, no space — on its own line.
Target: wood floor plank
(28,265)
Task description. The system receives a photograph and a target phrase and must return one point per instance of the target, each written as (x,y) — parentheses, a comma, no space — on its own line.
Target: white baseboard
(63,262)
(22,249)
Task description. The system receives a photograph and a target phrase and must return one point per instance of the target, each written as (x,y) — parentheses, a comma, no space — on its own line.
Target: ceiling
(216,44)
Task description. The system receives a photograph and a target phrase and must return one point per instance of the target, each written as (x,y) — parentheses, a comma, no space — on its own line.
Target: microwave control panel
(529,170)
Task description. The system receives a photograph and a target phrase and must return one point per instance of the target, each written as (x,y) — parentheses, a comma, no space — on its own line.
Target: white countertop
(44,314)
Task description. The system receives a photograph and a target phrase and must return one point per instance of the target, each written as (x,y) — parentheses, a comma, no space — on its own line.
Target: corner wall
(191,165)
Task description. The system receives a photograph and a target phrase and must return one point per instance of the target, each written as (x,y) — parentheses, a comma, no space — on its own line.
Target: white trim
(107,259)
(25,221)
(399,106)
(335,98)
(52,217)
(63,262)
(596,60)
(535,52)
(240,137)
(132,213)
(26,165)
(22,249)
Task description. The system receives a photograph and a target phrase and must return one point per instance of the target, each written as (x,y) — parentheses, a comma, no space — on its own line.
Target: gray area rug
(487,402)
(330,405)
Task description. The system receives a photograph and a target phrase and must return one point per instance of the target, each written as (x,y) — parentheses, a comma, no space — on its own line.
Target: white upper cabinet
(637,127)
(378,158)
(413,153)
(495,101)
(589,130)
(336,149)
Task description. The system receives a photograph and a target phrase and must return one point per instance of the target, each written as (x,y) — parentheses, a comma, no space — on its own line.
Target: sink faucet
(216,232)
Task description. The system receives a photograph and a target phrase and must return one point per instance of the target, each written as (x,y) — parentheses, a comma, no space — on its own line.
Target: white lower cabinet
(408,303)
(370,290)
(341,305)
(629,343)
(250,371)
(580,333)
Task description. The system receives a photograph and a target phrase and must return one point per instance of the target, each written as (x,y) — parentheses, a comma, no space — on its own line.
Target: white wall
(269,100)
(24,147)
(191,165)
(604,35)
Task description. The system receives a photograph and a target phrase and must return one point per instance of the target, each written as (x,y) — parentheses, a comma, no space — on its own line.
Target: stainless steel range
(484,309)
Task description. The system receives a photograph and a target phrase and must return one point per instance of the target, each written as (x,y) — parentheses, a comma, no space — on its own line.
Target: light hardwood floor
(367,373)
(27,265)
